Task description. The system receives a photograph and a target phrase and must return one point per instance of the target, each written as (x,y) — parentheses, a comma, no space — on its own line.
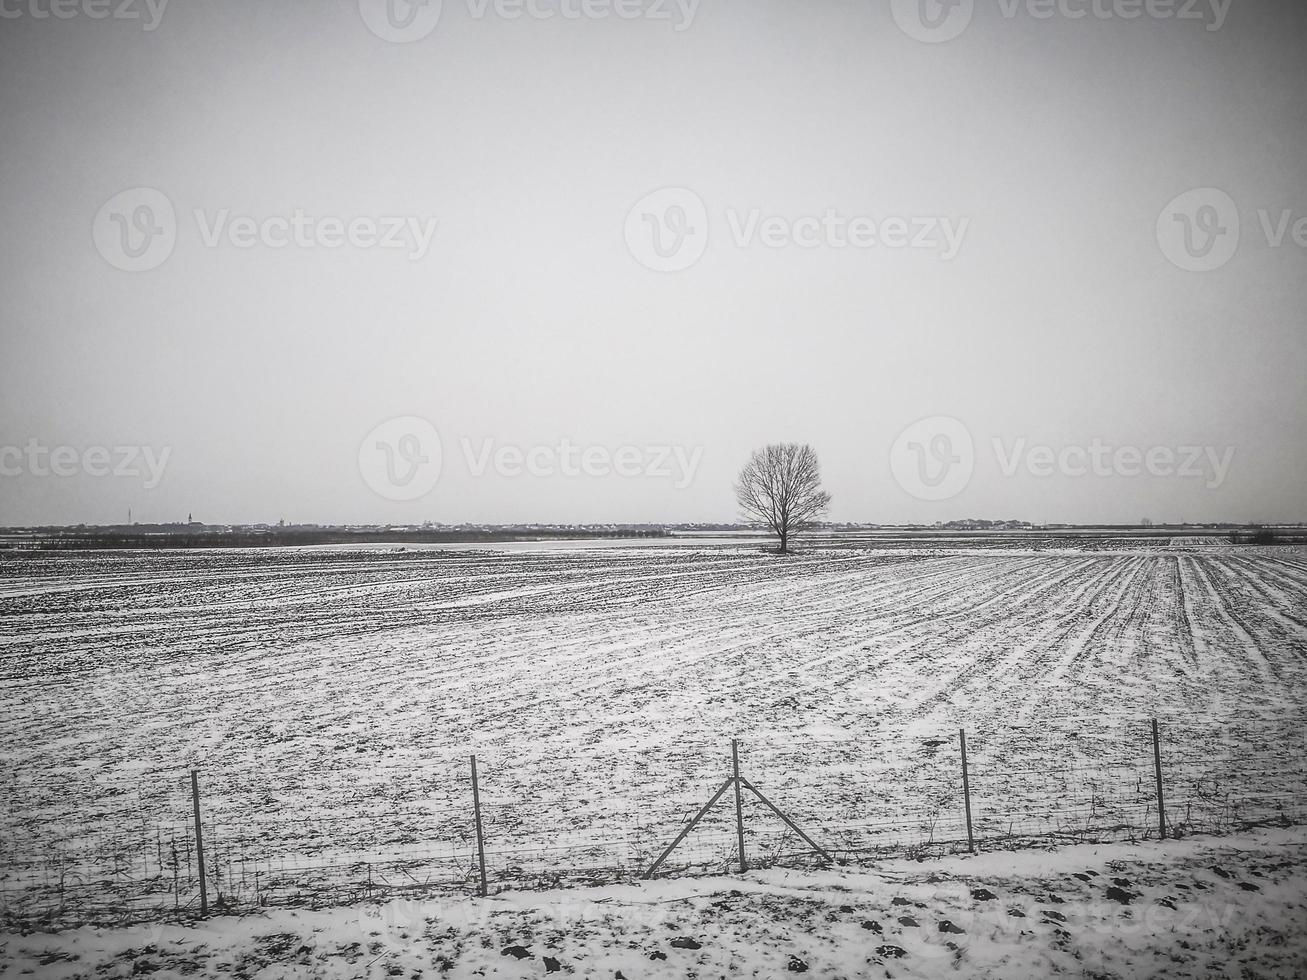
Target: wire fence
(178,842)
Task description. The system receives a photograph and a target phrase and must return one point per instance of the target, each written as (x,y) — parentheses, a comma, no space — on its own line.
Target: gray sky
(1060,315)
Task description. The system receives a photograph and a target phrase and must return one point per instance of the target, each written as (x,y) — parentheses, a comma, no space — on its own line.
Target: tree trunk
(785,534)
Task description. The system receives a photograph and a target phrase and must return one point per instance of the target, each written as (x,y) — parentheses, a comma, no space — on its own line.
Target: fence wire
(125,849)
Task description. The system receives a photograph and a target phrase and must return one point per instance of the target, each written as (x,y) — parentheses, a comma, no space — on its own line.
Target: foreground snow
(1214,907)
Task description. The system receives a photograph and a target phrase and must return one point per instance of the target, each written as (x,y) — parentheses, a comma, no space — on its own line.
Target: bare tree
(780,486)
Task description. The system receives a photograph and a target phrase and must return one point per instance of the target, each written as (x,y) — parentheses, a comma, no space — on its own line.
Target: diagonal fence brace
(788,822)
(689,827)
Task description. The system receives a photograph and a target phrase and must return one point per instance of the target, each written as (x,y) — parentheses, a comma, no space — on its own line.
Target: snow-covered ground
(1204,907)
(330,700)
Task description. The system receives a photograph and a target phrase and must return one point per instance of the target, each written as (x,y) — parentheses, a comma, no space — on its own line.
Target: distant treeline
(1266,535)
(95,539)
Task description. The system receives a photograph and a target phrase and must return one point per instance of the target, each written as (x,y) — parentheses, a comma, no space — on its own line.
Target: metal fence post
(199,842)
(481,845)
(1157,771)
(966,790)
(739,805)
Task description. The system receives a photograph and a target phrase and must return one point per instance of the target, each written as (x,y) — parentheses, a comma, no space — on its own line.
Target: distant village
(196,534)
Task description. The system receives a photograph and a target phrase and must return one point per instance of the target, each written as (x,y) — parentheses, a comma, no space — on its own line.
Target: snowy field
(330,699)
(1207,907)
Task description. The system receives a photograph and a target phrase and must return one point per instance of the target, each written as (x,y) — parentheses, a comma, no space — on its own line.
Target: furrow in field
(1240,648)
(1277,596)
(912,602)
(961,632)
